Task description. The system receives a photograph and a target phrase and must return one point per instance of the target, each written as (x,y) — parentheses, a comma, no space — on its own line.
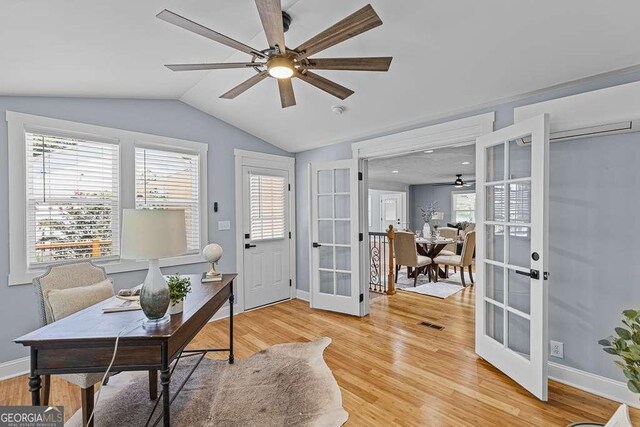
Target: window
(268,206)
(70,182)
(464,207)
(170,180)
(72,198)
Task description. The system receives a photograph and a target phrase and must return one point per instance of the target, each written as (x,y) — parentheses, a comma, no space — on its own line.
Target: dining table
(431,247)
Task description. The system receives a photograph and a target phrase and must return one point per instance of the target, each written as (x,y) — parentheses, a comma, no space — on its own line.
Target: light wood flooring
(391,370)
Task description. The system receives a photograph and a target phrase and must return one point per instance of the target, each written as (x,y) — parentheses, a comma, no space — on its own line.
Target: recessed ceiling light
(428,151)
(466,163)
(394,171)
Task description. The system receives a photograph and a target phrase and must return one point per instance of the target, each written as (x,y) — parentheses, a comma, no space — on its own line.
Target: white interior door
(266,232)
(335,265)
(391,211)
(512,251)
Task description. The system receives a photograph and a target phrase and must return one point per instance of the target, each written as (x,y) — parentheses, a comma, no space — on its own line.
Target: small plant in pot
(626,345)
(179,287)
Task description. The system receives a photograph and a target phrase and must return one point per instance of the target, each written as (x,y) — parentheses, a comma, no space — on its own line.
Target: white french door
(512,252)
(391,211)
(335,262)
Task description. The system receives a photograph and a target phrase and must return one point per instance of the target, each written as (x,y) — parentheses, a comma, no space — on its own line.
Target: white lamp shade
(153,234)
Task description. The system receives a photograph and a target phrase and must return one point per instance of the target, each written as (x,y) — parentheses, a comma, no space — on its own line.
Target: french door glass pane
(495,242)
(494,282)
(519,292)
(326,257)
(325,181)
(325,231)
(519,160)
(343,258)
(520,202)
(519,332)
(494,322)
(520,246)
(495,163)
(326,282)
(343,232)
(325,206)
(495,203)
(342,180)
(343,284)
(342,206)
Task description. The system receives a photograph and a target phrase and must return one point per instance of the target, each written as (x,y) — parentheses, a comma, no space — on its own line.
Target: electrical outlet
(557,349)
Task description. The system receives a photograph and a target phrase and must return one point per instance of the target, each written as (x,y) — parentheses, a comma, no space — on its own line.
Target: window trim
(18,123)
(453,203)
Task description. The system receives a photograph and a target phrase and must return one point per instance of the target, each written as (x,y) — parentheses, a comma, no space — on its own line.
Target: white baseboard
(592,383)
(14,368)
(303,295)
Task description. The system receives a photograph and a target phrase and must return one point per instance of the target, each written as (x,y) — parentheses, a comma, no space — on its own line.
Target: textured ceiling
(441,166)
(448,56)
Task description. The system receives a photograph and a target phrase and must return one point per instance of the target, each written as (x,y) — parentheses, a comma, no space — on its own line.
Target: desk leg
(165,378)
(231,299)
(34,380)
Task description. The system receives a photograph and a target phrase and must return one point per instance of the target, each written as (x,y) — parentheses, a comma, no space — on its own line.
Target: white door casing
(335,252)
(266,228)
(512,245)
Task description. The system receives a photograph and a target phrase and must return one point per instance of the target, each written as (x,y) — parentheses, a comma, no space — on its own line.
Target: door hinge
(360,176)
(361,236)
(289,187)
(545,275)
(289,234)
(290,282)
(361,297)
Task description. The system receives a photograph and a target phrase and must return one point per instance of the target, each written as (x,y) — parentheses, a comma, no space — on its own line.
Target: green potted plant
(179,287)
(626,345)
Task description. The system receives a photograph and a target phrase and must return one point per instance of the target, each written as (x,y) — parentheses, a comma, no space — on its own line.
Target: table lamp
(153,234)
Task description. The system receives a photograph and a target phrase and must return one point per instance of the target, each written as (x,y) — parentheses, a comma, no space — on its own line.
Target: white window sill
(119,266)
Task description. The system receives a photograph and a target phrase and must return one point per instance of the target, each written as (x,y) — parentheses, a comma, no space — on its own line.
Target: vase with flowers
(427,213)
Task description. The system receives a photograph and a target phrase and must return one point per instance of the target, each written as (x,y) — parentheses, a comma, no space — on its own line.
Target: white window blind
(464,207)
(72,198)
(268,206)
(170,180)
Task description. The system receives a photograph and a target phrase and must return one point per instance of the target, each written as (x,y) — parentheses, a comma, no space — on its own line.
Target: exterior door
(335,264)
(512,252)
(391,211)
(266,232)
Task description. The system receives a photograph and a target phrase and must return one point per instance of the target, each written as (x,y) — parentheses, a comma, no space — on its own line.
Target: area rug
(405,282)
(438,290)
(287,384)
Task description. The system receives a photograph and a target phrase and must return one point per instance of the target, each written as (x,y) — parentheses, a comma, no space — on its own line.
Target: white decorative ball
(212,252)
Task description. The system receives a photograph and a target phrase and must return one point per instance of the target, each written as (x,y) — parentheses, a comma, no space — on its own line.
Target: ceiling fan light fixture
(458,182)
(280,68)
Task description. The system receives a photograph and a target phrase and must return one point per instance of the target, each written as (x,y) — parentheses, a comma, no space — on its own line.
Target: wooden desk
(84,341)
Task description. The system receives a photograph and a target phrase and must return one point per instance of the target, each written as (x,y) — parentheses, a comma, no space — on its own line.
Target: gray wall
(167,118)
(593,229)
(423,195)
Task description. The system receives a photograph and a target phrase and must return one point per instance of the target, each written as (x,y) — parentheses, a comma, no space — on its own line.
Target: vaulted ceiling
(448,56)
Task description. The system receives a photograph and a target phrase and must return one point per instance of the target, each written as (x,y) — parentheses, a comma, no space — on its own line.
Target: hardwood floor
(391,370)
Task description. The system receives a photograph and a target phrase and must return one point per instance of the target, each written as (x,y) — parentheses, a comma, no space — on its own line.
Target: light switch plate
(224,225)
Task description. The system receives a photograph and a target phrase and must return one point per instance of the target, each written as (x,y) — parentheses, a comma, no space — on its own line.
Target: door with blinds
(266,232)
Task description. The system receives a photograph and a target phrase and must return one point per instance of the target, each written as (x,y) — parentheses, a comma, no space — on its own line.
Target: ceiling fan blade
(287,97)
(214,66)
(349,64)
(189,25)
(326,85)
(271,16)
(354,24)
(247,84)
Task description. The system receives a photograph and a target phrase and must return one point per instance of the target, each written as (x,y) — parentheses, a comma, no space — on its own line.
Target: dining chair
(406,253)
(463,260)
(449,233)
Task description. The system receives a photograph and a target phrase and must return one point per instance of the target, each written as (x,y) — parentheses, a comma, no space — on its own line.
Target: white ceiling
(448,56)
(438,167)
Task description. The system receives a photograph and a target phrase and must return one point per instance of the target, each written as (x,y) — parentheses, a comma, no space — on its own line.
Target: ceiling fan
(283,63)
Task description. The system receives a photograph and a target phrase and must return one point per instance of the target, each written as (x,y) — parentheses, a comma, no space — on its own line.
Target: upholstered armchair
(463,260)
(449,233)
(406,253)
(63,290)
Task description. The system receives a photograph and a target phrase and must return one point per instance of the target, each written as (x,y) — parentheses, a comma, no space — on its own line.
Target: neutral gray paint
(593,203)
(424,195)
(167,118)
